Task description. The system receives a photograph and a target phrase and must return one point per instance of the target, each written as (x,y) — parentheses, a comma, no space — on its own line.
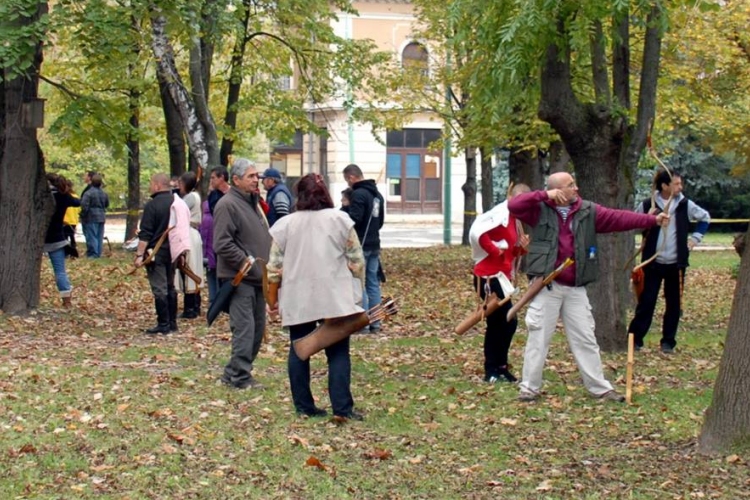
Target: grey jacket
(94,204)
(240,229)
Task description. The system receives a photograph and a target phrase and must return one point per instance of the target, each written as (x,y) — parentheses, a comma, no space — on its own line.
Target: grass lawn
(92,408)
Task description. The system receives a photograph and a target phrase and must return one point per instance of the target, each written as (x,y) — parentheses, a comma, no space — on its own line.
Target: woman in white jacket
(317,257)
(183,283)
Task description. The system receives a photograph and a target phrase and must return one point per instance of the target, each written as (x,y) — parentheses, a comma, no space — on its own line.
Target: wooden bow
(636,275)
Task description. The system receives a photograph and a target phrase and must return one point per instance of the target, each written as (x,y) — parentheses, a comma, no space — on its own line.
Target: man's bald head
(559,180)
(159,182)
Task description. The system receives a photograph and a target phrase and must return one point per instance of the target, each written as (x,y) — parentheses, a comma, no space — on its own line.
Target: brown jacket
(240,229)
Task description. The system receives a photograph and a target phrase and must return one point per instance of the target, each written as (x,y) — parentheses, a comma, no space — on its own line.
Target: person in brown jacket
(241,231)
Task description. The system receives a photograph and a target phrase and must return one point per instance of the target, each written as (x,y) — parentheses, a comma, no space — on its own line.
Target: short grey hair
(240,166)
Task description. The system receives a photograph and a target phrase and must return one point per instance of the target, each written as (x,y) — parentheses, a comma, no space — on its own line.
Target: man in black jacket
(154,223)
(366,209)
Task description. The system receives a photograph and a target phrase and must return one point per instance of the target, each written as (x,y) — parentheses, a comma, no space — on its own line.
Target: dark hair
(347,193)
(353,170)
(663,177)
(90,173)
(221,171)
(96,180)
(312,193)
(58,182)
(189,180)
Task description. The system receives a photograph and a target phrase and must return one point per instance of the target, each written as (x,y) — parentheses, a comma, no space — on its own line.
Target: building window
(416,57)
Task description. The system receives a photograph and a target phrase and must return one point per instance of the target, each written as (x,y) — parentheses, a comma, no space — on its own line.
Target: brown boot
(66,302)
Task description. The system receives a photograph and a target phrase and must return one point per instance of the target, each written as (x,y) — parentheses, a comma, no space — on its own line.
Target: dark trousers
(247,320)
(674,279)
(70,233)
(499,332)
(339,374)
(161,278)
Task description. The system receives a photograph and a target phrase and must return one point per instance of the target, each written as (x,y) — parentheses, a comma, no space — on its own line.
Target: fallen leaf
(378,454)
(314,462)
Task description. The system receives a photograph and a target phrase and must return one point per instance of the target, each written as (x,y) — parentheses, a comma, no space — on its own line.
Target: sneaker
(666,349)
(611,396)
(638,347)
(491,379)
(527,396)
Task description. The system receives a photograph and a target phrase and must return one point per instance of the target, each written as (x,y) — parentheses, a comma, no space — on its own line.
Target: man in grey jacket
(94,205)
(241,231)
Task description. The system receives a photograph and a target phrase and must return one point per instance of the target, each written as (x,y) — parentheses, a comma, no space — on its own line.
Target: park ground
(92,408)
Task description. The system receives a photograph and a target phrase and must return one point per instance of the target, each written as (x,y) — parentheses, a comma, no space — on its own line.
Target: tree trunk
(134,168)
(233,92)
(525,167)
(470,192)
(194,128)
(488,194)
(559,159)
(175,131)
(604,150)
(25,202)
(727,422)
(134,149)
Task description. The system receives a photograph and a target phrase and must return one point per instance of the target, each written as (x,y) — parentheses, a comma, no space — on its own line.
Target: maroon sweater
(527,208)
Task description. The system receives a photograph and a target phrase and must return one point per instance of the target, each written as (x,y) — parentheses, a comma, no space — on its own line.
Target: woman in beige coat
(316,251)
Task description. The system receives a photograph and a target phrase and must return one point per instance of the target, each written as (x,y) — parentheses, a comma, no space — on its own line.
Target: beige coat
(316,282)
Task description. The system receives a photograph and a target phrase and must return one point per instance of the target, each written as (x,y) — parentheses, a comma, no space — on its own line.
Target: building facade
(409,172)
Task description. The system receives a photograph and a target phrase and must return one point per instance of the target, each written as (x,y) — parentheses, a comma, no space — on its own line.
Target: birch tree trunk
(195,130)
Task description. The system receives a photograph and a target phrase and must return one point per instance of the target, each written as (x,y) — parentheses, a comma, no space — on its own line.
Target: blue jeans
(371,296)
(94,234)
(57,258)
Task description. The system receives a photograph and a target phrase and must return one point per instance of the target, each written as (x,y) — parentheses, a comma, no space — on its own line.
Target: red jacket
(498,260)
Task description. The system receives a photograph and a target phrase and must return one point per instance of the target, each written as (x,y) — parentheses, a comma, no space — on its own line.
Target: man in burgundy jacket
(565,226)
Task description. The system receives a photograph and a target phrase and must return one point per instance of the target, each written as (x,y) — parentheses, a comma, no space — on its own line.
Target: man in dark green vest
(565,226)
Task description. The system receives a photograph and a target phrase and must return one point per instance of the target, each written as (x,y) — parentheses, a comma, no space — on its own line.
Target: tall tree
(25,201)
(575,58)
(727,422)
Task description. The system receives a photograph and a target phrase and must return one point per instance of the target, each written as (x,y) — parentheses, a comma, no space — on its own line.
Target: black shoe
(189,314)
(667,349)
(241,384)
(506,376)
(351,416)
(638,347)
(163,329)
(173,327)
(315,412)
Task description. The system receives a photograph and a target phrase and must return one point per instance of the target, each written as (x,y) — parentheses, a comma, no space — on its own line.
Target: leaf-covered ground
(91,407)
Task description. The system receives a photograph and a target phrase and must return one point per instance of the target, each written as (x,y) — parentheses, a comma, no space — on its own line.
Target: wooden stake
(629,370)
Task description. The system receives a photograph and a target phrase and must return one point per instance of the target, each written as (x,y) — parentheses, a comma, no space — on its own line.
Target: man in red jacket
(564,226)
(496,242)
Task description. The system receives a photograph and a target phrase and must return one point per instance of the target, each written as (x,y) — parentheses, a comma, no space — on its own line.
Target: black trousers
(339,374)
(653,276)
(499,333)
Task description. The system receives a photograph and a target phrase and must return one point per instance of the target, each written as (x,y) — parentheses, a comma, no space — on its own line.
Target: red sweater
(498,260)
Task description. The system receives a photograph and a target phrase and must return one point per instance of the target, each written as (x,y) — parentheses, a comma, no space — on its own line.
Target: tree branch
(621,60)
